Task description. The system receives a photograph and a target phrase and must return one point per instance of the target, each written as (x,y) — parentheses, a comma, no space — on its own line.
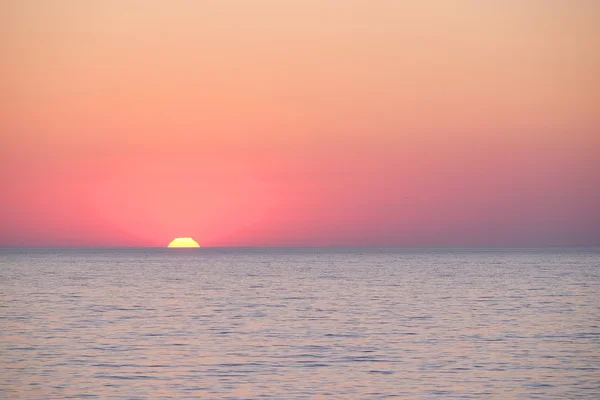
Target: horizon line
(301,247)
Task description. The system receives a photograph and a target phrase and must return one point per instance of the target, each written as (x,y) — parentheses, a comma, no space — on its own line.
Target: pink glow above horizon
(300,123)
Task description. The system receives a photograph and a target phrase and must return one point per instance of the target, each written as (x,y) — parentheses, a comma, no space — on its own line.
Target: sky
(126,123)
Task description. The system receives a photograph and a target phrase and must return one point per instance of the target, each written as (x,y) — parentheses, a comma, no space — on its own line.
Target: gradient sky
(300,123)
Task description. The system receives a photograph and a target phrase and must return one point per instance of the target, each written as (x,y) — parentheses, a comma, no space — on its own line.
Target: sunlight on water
(298,324)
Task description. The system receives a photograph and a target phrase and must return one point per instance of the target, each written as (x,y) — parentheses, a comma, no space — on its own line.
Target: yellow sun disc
(185,242)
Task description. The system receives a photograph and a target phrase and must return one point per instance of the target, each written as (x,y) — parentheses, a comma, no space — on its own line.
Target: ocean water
(300,324)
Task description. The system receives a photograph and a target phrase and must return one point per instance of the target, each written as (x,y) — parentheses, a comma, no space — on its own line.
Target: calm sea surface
(299,324)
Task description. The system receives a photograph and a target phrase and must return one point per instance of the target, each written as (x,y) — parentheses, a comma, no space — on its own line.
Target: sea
(300,323)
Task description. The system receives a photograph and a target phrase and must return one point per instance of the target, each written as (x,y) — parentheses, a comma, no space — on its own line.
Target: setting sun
(186,242)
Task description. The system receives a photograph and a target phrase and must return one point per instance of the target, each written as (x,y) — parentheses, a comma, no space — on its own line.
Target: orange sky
(271,123)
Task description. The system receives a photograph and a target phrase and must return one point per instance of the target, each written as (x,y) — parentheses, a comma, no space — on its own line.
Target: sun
(183,242)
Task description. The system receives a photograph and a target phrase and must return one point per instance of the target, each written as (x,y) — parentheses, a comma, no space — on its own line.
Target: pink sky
(300,123)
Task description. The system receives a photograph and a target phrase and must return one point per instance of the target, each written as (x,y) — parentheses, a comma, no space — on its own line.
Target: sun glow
(185,242)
